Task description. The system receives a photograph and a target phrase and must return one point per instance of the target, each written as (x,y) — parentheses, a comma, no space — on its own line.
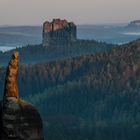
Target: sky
(35,12)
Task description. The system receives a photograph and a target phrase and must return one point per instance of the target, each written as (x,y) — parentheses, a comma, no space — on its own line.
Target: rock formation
(58,32)
(18,119)
(135,23)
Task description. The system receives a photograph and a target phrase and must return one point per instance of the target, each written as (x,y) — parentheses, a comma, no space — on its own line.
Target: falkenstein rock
(59,33)
(18,119)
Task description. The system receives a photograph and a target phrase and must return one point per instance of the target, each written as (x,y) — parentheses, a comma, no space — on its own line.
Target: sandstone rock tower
(59,32)
(18,119)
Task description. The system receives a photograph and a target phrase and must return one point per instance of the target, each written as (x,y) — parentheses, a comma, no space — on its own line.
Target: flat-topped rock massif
(18,119)
(135,23)
(59,32)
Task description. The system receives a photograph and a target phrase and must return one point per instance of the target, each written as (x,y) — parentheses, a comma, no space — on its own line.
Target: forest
(97,98)
(91,96)
(34,54)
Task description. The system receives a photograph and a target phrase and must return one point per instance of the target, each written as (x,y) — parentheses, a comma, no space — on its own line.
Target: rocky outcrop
(135,23)
(58,32)
(19,120)
(11,89)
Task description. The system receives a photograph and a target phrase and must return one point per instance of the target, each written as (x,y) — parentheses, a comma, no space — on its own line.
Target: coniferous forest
(69,70)
(92,96)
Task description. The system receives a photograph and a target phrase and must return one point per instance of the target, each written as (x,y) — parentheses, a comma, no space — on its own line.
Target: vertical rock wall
(59,32)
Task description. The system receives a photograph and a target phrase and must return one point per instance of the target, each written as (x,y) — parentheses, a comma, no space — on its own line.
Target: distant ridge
(135,23)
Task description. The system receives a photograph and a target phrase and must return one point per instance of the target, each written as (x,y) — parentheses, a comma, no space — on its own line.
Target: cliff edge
(18,119)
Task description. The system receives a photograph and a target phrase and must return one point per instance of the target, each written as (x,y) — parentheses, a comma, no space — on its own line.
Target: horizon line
(80,24)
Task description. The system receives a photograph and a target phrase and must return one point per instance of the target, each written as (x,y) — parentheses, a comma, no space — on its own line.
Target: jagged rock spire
(11,87)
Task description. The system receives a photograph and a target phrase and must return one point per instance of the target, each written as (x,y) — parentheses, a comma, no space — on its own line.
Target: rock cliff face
(18,119)
(58,32)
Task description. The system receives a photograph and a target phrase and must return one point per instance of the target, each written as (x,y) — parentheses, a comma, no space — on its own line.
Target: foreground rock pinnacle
(19,120)
(11,88)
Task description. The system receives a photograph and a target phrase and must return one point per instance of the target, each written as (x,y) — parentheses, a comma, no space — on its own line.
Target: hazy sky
(28,12)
